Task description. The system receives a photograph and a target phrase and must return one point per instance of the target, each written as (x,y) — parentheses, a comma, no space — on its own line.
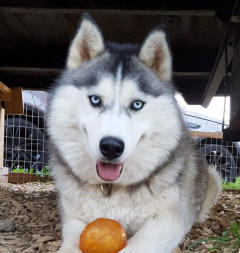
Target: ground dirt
(33,208)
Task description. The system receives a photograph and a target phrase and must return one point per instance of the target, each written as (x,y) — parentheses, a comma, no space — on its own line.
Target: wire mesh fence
(223,155)
(25,141)
(26,147)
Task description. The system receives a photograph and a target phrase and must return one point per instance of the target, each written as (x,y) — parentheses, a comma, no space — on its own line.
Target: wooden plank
(4,175)
(216,135)
(235,84)
(189,60)
(21,178)
(192,74)
(218,71)
(15,26)
(7,41)
(235,19)
(47,29)
(217,74)
(5,92)
(208,13)
(2,118)
(4,89)
(233,132)
(15,106)
(55,71)
(28,71)
(223,5)
(12,98)
(70,23)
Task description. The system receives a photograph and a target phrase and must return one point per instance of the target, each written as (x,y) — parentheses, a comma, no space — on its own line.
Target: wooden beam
(217,74)
(216,135)
(197,60)
(30,71)
(2,117)
(15,106)
(235,85)
(5,92)
(12,99)
(17,10)
(233,132)
(235,19)
(55,71)
(191,74)
(151,4)
(4,88)
(218,71)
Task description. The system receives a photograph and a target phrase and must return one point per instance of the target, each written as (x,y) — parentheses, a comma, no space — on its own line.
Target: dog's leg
(159,235)
(72,228)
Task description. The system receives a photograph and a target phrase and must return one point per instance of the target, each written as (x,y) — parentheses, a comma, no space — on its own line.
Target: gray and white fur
(158,185)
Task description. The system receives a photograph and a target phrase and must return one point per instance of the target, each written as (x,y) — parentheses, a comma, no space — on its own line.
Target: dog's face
(113,117)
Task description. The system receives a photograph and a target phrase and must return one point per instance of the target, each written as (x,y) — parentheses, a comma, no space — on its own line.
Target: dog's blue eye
(95,101)
(137,105)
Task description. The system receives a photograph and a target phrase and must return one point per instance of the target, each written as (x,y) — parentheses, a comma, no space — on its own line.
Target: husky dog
(119,146)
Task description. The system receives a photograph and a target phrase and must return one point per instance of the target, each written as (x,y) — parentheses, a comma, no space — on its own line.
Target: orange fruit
(103,236)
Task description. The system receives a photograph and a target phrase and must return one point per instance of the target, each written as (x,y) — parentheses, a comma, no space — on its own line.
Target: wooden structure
(35,35)
(10,103)
(233,132)
(21,178)
(213,135)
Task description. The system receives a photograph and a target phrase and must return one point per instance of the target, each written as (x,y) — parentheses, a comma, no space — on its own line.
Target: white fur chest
(131,209)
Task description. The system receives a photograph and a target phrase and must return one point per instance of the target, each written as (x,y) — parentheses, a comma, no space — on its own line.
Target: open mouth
(109,171)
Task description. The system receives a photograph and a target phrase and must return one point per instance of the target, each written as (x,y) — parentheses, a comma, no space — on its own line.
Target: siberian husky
(119,146)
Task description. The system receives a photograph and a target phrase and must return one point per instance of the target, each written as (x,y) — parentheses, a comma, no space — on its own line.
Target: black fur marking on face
(126,56)
(120,54)
(107,64)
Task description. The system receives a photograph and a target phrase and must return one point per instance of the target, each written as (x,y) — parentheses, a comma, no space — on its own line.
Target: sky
(214,110)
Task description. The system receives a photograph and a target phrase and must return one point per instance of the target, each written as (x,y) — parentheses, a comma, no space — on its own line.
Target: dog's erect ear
(155,54)
(87,44)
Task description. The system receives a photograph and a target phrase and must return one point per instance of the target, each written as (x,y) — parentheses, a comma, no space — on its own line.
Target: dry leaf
(33,207)
(177,250)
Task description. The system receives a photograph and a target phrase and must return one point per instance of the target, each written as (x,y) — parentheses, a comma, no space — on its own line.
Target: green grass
(229,240)
(230,185)
(45,171)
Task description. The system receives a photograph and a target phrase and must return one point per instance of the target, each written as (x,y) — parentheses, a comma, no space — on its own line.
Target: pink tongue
(108,171)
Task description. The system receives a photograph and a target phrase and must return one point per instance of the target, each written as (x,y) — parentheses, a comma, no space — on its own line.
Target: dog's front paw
(138,248)
(128,249)
(69,250)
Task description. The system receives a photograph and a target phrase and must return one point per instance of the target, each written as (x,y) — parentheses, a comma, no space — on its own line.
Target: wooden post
(233,132)
(3,178)
(12,99)
(2,116)
(235,86)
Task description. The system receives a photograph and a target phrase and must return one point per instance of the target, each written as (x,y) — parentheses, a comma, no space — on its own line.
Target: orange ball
(103,236)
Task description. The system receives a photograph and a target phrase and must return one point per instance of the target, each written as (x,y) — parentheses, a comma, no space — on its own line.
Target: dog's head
(113,115)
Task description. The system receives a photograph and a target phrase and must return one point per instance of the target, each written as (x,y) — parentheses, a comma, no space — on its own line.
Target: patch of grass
(22,170)
(230,185)
(229,240)
(45,171)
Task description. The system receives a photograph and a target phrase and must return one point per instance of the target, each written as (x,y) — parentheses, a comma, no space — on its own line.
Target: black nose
(111,147)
